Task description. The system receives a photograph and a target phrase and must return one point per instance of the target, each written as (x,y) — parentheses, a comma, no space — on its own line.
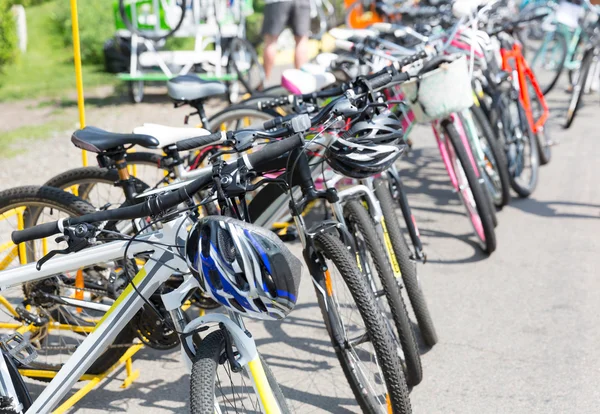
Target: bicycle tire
(562,42)
(254,62)
(543,141)
(86,177)
(204,376)
(481,200)
(579,88)
(495,155)
(531,142)
(236,114)
(75,206)
(331,247)
(408,267)
(359,222)
(146,35)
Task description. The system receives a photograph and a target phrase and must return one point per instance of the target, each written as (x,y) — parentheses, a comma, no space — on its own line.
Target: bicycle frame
(160,266)
(514,63)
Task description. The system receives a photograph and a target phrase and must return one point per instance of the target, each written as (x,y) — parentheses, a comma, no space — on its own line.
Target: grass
(46,69)
(18,140)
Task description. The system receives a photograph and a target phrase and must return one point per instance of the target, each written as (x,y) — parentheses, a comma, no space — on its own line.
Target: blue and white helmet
(244,267)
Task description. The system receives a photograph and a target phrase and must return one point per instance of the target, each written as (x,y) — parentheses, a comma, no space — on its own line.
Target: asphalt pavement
(518,330)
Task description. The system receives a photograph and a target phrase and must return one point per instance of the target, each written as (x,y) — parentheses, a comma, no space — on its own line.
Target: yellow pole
(78,74)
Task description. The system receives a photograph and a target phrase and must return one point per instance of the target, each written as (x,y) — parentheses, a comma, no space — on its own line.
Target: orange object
(358,17)
(328,283)
(79,285)
(513,60)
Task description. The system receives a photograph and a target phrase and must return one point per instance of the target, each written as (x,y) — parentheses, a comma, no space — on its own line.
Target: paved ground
(518,330)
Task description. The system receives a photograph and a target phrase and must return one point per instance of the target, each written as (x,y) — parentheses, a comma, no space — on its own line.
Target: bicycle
(473,196)
(164,259)
(56,313)
(588,68)
(561,44)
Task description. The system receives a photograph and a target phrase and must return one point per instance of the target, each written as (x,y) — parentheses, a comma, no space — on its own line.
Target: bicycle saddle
(299,82)
(192,88)
(167,135)
(98,140)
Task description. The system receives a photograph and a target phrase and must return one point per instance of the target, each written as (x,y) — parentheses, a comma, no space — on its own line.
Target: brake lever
(76,238)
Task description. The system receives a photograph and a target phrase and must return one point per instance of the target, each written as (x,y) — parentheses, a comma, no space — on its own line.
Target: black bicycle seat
(192,88)
(98,140)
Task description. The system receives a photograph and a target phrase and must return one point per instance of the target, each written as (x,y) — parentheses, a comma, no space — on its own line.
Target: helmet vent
(226,246)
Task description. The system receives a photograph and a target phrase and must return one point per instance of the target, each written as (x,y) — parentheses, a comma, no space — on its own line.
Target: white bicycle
(225,341)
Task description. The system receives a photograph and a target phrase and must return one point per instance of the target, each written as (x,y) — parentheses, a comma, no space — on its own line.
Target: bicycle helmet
(368,147)
(244,267)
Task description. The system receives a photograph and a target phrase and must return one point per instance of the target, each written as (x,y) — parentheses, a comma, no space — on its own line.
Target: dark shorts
(279,15)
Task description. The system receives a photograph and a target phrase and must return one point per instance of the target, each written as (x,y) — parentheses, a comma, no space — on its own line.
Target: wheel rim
(361,357)
(54,343)
(547,61)
(521,157)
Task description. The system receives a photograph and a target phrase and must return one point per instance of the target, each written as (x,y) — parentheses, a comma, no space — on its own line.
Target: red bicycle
(530,96)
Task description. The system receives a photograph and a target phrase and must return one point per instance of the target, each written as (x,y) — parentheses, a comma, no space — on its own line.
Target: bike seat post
(198,106)
(117,158)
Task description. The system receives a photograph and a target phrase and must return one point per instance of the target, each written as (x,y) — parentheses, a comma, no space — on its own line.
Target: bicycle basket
(440,92)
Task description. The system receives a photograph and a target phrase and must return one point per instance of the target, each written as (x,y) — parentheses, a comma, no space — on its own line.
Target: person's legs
(275,17)
(300,22)
(301,53)
(269,54)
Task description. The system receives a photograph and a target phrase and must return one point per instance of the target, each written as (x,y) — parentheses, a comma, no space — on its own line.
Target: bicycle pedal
(7,405)
(19,348)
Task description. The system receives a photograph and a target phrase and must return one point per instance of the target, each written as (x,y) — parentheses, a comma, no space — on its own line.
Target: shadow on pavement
(550,208)
(426,175)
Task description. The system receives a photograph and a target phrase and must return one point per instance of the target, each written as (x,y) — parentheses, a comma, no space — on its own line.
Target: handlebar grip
(381,80)
(272,151)
(275,102)
(200,141)
(413,58)
(346,45)
(36,232)
(277,121)
(400,77)
(382,27)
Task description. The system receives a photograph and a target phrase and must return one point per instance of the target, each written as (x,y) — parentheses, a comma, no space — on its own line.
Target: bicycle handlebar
(162,203)
(511,25)
(201,141)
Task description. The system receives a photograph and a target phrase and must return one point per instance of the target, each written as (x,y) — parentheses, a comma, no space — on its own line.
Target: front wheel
(375,265)
(362,342)
(216,388)
(243,62)
(469,188)
(579,88)
(494,168)
(522,153)
(548,61)
(407,267)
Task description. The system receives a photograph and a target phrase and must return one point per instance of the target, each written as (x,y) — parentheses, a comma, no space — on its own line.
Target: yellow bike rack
(94,380)
(15,251)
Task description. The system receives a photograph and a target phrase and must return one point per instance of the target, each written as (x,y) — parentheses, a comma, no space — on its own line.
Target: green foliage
(96,25)
(8,34)
(258,5)
(46,69)
(28,3)
(253,28)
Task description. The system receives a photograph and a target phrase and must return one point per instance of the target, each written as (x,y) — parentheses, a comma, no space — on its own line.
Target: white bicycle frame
(161,264)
